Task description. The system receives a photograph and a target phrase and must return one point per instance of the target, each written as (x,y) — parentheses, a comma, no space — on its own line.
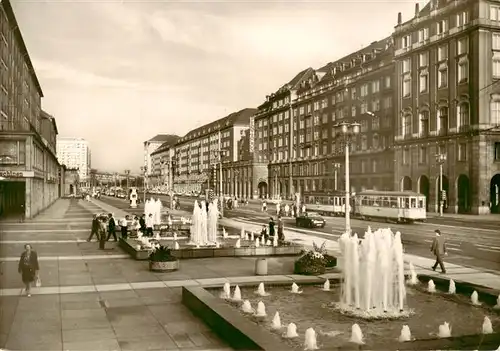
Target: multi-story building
(448,69)
(310,159)
(75,153)
(29,171)
(149,147)
(198,154)
(162,161)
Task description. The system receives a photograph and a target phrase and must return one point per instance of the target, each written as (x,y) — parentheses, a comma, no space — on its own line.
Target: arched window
(424,123)
(406,125)
(463,116)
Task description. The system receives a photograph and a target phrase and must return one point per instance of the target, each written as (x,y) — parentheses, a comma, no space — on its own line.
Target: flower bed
(315,261)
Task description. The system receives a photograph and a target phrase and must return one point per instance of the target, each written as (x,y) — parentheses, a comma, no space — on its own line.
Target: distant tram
(391,206)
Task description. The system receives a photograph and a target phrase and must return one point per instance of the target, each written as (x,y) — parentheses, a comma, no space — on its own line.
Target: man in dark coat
(111,227)
(271,227)
(94,229)
(438,248)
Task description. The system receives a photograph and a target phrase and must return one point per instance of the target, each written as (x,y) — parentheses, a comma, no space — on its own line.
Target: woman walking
(28,267)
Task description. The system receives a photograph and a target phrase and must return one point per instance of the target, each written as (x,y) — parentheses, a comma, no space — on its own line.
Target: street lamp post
(290,149)
(336,167)
(441,159)
(347,131)
(276,184)
(127,173)
(144,171)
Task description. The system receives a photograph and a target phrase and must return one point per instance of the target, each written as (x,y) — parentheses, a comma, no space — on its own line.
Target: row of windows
(426,156)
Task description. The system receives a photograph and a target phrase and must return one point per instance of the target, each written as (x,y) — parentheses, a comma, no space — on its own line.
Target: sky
(119,72)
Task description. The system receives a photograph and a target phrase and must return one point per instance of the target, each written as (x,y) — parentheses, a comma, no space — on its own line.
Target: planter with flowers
(161,259)
(315,261)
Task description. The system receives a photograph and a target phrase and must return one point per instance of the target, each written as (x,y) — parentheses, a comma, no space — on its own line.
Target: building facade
(149,147)
(162,162)
(448,66)
(198,155)
(75,153)
(303,152)
(29,170)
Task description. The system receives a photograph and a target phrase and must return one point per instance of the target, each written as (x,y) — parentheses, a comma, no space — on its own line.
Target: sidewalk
(494,217)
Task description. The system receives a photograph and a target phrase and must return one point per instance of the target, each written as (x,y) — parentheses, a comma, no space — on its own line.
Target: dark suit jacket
(438,246)
(32,263)
(111,225)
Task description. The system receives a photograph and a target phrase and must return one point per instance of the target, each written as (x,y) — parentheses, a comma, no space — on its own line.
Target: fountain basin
(310,309)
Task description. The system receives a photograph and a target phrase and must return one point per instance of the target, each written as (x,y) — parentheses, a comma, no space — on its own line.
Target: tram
(398,206)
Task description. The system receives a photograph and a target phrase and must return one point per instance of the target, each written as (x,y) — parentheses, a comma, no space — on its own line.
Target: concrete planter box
(131,247)
(224,252)
(167,266)
(203,253)
(264,251)
(244,251)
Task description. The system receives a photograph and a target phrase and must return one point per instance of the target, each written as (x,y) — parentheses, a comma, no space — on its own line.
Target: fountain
(291,331)
(224,233)
(310,342)
(356,334)
(257,242)
(237,244)
(157,213)
(474,298)
(413,275)
(487,326)
(246,236)
(452,289)
(497,306)
(261,310)
(275,241)
(373,283)
(242,234)
(217,245)
(431,287)
(326,285)
(237,294)
(204,224)
(276,324)
(295,289)
(252,236)
(405,334)
(262,240)
(213,218)
(444,330)
(196,224)
(226,291)
(261,290)
(176,246)
(268,242)
(246,307)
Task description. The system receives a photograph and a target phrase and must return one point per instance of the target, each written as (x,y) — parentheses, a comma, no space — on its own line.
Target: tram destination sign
(17,174)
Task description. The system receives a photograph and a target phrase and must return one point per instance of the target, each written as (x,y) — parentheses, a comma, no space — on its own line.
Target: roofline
(22,45)
(52,119)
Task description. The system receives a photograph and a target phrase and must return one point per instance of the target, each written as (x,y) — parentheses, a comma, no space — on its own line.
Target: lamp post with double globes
(441,159)
(346,131)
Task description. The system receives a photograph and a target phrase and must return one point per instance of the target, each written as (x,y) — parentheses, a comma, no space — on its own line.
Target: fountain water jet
(237,294)
(261,290)
(452,289)
(176,246)
(474,298)
(444,330)
(261,310)
(405,334)
(224,233)
(326,285)
(242,233)
(413,275)
(431,287)
(212,219)
(487,326)
(295,289)
(276,321)
(310,342)
(291,331)
(356,334)
(257,242)
(246,307)
(226,291)
(373,283)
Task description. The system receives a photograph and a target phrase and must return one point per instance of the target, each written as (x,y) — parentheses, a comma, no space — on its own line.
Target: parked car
(310,220)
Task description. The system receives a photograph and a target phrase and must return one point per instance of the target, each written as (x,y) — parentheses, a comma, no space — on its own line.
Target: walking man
(111,227)
(149,225)
(95,228)
(438,248)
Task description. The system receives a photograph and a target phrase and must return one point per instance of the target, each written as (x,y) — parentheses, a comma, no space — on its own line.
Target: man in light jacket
(438,248)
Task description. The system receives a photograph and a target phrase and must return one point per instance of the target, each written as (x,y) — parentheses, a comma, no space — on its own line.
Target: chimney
(400,20)
(417,9)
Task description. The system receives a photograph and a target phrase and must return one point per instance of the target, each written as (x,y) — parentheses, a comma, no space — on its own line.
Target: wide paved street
(470,243)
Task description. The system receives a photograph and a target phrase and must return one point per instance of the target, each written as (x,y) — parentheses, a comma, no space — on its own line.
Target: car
(310,220)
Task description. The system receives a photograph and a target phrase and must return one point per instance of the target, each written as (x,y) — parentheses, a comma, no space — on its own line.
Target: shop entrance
(12,199)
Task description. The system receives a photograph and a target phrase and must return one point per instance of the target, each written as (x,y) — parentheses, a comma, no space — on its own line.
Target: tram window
(393,202)
(407,203)
(421,203)
(413,202)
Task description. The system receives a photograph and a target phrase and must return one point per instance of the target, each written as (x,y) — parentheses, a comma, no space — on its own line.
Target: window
(375,86)
(364,126)
(406,66)
(462,70)
(375,143)
(423,34)
(494,13)
(405,41)
(462,152)
(324,134)
(442,53)
(364,142)
(364,108)
(442,120)
(462,46)
(424,124)
(406,85)
(375,105)
(364,90)
(388,81)
(354,94)
(462,115)
(495,41)
(324,118)
(375,123)
(406,156)
(442,76)
(406,125)
(496,148)
(495,112)
(388,102)
(462,18)
(441,27)
(422,155)
(496,64)
(423,81)
(423,59)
